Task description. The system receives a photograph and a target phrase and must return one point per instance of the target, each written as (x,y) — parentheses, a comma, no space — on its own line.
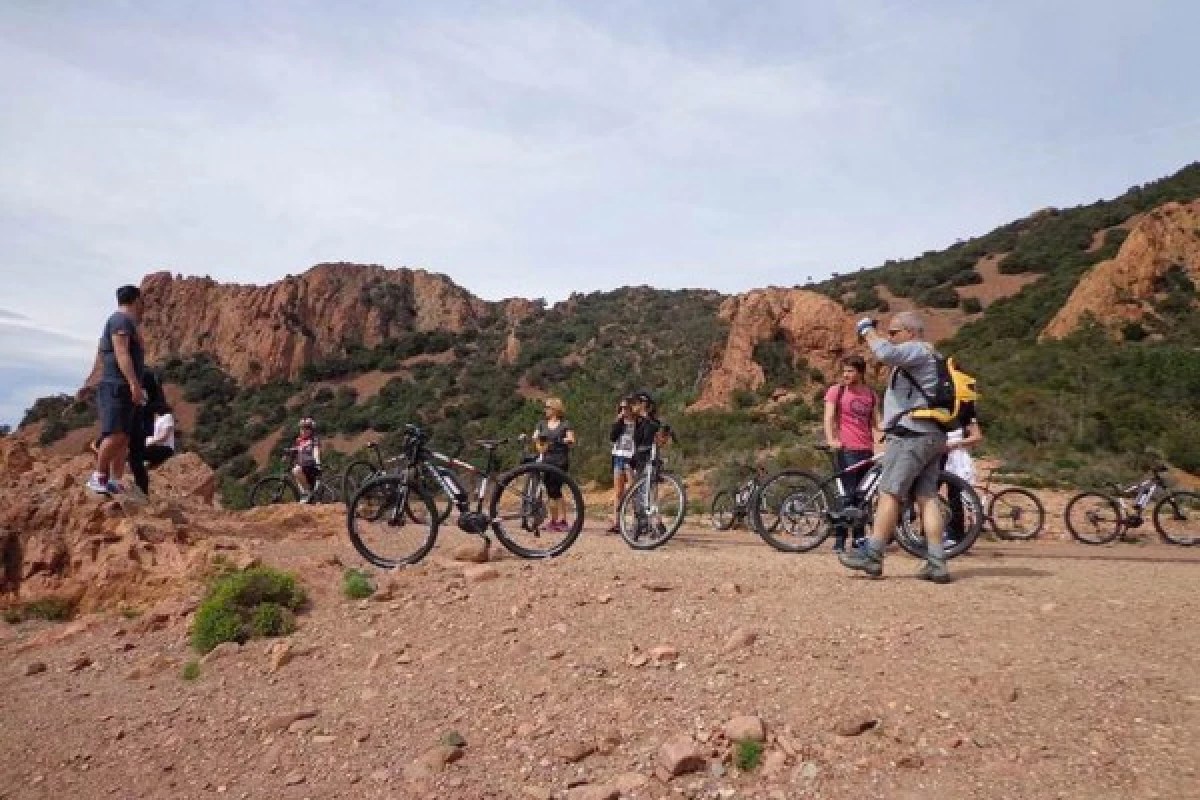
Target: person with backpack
(915,442)
(851,423)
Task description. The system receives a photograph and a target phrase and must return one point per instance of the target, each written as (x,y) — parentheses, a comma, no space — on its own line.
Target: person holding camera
(913,459)
(554,437)
(622,437)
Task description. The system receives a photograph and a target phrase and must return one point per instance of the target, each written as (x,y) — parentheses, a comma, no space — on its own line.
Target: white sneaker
(96,487)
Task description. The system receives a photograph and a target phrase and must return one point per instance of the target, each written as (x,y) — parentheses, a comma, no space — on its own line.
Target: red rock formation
(817,329)
(1120,290)
(262,333)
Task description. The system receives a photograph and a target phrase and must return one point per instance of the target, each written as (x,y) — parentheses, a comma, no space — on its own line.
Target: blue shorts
(622,464)
(114,407)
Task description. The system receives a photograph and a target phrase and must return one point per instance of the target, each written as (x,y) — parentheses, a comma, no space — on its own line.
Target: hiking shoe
(934,570)
(114,487)
(96,487)
(306,498)
(863,559)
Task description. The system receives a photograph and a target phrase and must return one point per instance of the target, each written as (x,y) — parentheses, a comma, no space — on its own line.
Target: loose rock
(35,667)
(680,756)
(481,573)
(739,639)
(746,728)
(855,725)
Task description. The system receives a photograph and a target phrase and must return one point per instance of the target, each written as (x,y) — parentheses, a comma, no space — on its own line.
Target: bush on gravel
(51,609)
(747,754)
(258,602)
(356,585)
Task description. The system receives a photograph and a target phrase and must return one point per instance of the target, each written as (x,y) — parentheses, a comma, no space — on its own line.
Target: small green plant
(191,670)
(241,605)
(52,609)
(747,754)
(130,613)
(356,585)
(13,615)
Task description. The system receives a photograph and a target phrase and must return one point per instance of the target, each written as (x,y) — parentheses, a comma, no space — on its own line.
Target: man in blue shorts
(120,392)
(913,459)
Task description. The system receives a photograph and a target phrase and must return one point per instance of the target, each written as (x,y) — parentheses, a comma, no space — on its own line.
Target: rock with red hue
(739,640)
(1122,290)
(574,752)
(664,654)
(746,728)
(679,757)
(855,724)
(473,552)
(814,327)
(480,573)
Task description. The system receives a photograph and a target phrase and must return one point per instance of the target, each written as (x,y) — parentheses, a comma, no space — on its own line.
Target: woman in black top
(555,437)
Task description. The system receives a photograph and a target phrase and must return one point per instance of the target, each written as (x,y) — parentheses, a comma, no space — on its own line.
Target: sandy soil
(1045,670)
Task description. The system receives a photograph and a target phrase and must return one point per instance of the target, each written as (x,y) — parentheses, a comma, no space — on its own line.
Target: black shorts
(114,406)
(554,481)
(311,473)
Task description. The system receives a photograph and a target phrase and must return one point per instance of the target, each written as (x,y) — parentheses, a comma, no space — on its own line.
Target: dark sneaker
(934,570)
(865,560)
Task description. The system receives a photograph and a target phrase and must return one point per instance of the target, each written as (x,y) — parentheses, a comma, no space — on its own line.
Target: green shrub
(356,585)
(972,305)
(191,670)
(13,615)
(747,754)
(241,605)
(51,609)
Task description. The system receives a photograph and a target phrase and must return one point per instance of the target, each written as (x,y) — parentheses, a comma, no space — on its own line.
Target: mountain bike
(796,510)
(1100,517)
(360,471)
(393,521)
(731,506)
(652,509)
(283,488)
(1012,513)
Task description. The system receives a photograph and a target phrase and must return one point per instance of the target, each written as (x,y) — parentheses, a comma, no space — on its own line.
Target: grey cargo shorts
(911,465)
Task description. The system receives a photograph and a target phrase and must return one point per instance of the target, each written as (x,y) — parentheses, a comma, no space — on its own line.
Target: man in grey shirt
(914,446)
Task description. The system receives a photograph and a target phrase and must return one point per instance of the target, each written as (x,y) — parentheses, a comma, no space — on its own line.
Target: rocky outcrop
(816,329)
(263,333)
(58,541)
(1123,289)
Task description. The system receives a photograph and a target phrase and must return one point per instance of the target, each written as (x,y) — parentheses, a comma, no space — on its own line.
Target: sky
(538,148)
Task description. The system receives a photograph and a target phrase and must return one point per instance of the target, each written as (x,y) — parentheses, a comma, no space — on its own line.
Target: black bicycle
(796,510)
(361,470)
(283,488)
(1101,517)
(652,509)
(731,506)
(392,520)
(1012,513)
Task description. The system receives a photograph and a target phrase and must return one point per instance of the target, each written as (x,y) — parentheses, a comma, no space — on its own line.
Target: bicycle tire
(1075,522)
(763,512)
(800,521)
(1011,512)
(639,530)
(272,490)
(912,540)
(527,472)
(391,502)
(355,475)
(723,512)
(1184,507)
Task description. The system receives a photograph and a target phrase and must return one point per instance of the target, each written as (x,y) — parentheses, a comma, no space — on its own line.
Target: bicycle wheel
(522,511)
(273,490)
(962,522)
(648,519)
(722,515)
(1094,518)
(1016,514)
(355,475)
(390,523)
(1177,518)
(800,526)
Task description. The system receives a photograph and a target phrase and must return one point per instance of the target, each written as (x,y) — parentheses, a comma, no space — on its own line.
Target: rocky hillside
(1157,263)
(366,349)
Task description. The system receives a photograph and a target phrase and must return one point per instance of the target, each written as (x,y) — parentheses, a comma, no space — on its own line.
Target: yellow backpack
(954,387)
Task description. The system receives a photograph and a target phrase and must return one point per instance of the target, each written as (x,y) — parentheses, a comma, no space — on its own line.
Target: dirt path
(1045,670)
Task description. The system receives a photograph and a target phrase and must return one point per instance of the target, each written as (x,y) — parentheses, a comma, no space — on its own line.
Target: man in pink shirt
(851,423)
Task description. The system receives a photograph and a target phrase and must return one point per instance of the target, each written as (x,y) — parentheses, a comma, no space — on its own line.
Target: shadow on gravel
(998,572)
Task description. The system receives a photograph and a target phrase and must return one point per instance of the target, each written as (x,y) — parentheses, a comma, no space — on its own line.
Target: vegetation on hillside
(1080,409)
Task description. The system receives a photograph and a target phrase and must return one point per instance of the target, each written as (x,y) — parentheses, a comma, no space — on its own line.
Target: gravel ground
(1045,670)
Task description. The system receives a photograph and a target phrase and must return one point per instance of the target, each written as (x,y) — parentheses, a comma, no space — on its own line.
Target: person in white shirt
(161,444)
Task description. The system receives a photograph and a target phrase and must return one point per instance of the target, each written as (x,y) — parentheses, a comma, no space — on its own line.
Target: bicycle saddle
(490,444)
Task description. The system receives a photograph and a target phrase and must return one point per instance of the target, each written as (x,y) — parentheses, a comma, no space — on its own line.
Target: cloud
(538,149)
(36,361)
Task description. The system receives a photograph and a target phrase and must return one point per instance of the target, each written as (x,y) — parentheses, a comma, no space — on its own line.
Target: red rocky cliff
(1121,290)
(263,333)
(816,328)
